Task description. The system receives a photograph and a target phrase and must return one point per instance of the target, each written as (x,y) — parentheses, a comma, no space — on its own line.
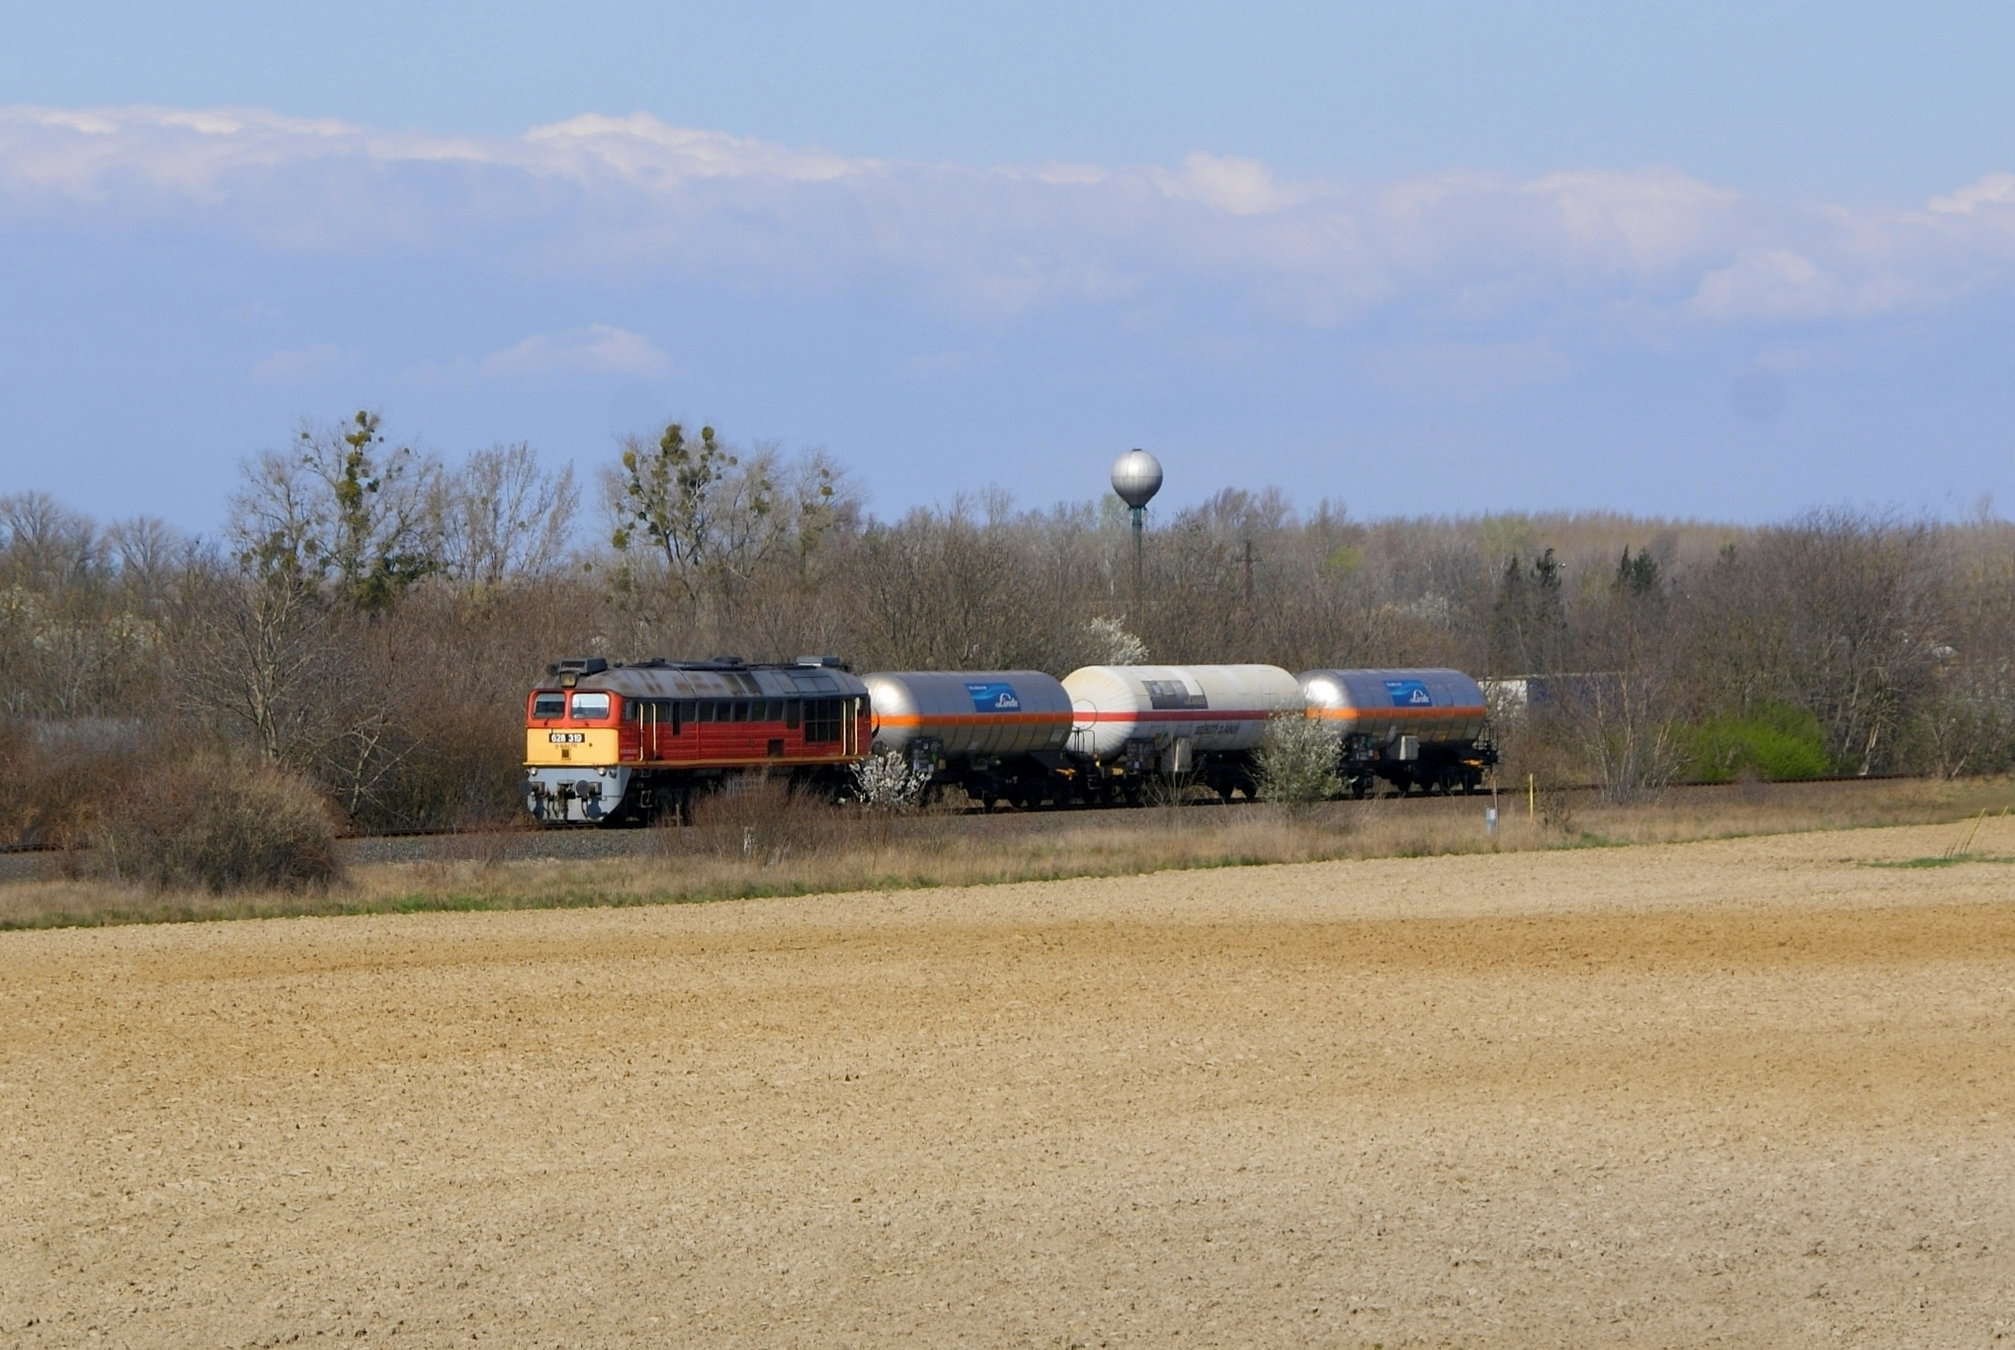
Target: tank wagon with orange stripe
(1413,728)
(1001,735)
(1203,722)
(609,743)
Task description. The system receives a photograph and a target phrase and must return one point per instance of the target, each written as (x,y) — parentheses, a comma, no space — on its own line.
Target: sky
(1711,260)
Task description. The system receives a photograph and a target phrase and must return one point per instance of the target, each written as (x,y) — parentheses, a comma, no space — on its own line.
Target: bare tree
(338,510)
(1623,706)
(254,650)
(503,517)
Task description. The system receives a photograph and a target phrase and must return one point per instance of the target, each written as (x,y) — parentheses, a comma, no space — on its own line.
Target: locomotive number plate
(566,737)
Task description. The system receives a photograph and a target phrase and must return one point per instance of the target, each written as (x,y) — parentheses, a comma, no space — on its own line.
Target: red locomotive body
(623,743)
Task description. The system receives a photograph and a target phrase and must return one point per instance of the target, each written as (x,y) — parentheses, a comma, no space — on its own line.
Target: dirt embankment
(1749,1092)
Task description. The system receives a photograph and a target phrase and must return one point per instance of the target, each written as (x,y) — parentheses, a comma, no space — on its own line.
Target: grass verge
(761,844)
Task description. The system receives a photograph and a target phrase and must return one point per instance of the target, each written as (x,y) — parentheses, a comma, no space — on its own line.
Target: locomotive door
(647,730)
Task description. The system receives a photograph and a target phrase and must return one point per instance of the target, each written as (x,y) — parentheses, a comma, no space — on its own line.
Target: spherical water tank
(1136,477)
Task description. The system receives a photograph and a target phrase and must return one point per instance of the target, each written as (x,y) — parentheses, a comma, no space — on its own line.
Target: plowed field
(1751,1093)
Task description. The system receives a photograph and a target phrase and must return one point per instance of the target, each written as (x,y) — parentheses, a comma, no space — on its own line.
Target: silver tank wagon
(1411,727)
(1432,705)
(989,713)
(999,734)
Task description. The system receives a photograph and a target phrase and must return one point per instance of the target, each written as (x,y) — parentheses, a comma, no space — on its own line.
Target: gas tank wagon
(1201,722)
(1413,728)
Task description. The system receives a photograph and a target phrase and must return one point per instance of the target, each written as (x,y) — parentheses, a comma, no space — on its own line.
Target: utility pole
(1136,477)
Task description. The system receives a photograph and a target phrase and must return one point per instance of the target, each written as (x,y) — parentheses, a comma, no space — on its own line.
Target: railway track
(20,862)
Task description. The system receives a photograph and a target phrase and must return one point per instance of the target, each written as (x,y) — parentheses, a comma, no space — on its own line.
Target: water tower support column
(1136,477)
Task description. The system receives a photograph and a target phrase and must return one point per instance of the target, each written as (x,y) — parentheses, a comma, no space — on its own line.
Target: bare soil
(1744,1092)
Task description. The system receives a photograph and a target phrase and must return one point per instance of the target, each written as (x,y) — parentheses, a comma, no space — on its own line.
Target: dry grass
(1752,1092)
(764,844)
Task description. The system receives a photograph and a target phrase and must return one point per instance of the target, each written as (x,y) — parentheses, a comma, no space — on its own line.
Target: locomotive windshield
(549,705)
(589,707)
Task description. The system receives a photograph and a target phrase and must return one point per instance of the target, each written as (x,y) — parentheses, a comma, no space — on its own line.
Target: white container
(972,714)
(1214,709)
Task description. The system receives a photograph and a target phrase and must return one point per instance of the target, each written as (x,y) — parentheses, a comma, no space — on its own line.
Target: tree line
(370,617)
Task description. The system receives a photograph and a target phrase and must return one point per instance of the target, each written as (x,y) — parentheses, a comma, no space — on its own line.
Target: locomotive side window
(659,712)
(774,711)
(549,706)
(822,721)
(741,706)
(791,713)
(688,712)
(588,707)
(706,710)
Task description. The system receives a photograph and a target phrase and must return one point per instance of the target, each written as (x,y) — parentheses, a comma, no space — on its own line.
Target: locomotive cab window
(549,706)
(589,707)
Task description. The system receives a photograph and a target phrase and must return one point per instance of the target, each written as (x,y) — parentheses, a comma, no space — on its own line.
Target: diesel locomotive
(614,743)
(619,744)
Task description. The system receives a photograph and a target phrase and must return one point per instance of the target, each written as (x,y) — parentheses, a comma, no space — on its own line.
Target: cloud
(1464,256)
(598,349)
(1992,190)
(1783,284)
(1244,187)
(642,149)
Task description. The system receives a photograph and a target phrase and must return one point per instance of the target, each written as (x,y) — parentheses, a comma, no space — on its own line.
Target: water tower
(1136,477)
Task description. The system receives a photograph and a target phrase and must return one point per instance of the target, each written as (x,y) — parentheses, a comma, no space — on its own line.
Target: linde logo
(1409,694)
(993,698)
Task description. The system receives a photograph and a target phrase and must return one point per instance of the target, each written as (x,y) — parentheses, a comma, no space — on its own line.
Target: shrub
(55,777)
(888,783)
(1776,742)
(219,823)
(1297,761)
(764,821)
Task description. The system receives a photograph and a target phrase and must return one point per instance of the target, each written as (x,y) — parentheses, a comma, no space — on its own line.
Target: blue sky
(1715,260)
